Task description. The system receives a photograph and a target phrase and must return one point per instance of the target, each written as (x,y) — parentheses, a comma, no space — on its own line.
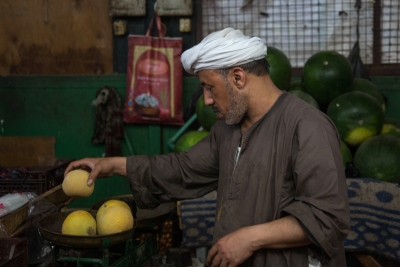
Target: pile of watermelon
(370,141)
(189,139)
(281,74)
(206,118)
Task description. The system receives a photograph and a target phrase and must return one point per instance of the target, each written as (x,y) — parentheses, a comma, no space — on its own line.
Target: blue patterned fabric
(374,216)
(198,217)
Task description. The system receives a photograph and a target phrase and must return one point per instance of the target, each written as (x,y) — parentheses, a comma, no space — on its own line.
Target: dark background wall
(54,56)
(139,26)
(41,37)
(60,106)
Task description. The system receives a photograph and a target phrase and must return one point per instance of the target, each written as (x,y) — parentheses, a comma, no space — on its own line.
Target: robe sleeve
(175,176)
(321,202)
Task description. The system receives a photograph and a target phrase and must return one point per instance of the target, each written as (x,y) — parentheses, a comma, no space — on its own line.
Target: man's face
(226,101)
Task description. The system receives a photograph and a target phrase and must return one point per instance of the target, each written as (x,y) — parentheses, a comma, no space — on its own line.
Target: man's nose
(208,99)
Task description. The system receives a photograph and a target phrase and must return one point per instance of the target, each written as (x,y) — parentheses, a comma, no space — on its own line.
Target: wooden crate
(13,252)
(39,179)
(14,222)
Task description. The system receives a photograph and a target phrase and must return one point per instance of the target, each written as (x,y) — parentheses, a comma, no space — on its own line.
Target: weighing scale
(120,249)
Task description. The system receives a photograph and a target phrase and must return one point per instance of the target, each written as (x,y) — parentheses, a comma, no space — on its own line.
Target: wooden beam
(367,260)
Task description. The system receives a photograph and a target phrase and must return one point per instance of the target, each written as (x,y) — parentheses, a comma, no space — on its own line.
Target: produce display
(379,157)
(280,68)
(391,126)
(166,239)
(114,219)
(326,75)
(305,96)
(346,153)
(79,222)
(295,85)
(75,184)
(205,115)
(370,142)
(189,139)
(370,88)
(357,116)
(114,216)
(111,203)
(355,105)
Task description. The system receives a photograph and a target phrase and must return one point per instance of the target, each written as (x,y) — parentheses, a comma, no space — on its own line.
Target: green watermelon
(326,75)
(305,97)
(205,115)
(280,69)
(391,126)
(189,139)
(346,153)
(296,85)
(379,157)
(357,116)
(370,88)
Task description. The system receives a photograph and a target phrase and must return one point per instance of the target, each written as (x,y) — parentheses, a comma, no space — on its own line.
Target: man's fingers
(211,254)
(224,264)
(93,174)
(214,258)
(84,164)
(217,261)
(90,181)
(73,165)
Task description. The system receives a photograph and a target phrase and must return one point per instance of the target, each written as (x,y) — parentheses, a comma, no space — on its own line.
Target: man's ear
(239,77)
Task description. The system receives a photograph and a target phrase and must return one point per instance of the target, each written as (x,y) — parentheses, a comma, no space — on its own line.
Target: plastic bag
(359,70)
(11,202)
(154,78)
(38,250)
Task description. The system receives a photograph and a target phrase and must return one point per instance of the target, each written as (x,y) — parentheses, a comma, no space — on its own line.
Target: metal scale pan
(50,228)
(50,225)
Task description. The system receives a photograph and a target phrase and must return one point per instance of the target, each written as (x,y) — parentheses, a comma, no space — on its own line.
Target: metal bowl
(50,228)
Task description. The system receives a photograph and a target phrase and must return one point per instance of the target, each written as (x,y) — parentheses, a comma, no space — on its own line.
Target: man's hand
(236,247)
(231,250)
(99,167)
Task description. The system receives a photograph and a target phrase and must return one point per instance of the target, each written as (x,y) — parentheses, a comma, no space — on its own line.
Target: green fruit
(296,85)
(391,126)
(368,87)
(205,115)
(326,75)
(189,139)
(379,157)
(305,97)
(357,116)
(346,153)
(280,69)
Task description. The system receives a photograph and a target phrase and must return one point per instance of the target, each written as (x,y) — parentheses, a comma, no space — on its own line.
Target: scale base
(130,253)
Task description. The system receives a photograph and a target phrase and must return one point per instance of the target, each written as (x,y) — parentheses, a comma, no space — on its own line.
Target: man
(276,161)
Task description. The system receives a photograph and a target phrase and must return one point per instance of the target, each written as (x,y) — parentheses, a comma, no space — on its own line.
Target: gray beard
(236,106)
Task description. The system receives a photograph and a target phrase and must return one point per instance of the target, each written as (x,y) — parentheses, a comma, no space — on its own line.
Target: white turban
(223,49)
